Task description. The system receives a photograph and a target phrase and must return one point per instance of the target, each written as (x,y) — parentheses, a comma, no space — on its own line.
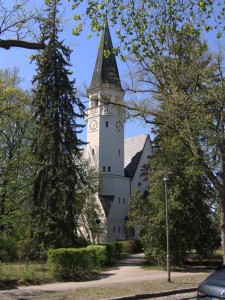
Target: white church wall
(120,188)
(111,151)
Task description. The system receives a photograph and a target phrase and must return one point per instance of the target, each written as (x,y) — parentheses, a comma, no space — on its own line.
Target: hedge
(118,249)
(73,263)
(69,263)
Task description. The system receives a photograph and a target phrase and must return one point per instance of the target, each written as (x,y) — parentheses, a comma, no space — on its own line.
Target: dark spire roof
(106,70)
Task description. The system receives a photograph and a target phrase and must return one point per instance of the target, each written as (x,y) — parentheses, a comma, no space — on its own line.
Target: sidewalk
(126,271)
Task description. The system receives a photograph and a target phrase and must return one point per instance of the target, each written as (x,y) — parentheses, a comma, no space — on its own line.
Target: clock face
(119,125)
(93,125)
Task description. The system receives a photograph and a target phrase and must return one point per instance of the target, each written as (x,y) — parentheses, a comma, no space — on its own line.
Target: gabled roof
(106,71)
(133,148)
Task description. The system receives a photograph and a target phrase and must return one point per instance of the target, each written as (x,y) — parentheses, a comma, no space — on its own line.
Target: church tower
(105,119)
(105,115)
(118,161)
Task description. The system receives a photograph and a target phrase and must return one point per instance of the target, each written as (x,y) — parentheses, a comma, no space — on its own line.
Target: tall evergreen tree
(56,144)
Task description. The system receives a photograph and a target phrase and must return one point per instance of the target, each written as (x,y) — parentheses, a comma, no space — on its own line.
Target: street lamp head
(166,175)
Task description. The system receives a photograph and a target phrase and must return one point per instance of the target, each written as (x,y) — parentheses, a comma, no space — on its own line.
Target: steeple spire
(106,71)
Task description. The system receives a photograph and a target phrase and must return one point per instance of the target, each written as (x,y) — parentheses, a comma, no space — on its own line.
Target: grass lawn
(115,290)
(21,273)
(14,274)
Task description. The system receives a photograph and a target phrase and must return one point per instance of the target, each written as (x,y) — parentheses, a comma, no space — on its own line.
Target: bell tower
(105,114)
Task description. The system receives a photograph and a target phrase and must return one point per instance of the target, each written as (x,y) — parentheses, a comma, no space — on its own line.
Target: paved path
(128,270)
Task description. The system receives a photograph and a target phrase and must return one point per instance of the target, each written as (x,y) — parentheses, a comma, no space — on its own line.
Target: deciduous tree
(15,155)
(184,84)
(16,25)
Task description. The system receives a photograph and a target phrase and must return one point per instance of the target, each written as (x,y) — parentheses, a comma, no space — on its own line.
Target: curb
(155,295)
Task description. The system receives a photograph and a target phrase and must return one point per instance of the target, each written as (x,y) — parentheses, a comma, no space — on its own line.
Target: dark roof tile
(106,71)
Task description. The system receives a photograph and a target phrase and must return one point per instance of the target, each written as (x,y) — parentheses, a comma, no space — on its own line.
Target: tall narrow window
(119,229)
(106,124)
(109,169)
(93,151)
(123,200)
(103,168)
(119,152)
(114,229)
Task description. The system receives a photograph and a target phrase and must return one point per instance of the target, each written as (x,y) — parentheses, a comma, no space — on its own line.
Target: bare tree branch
(7,44)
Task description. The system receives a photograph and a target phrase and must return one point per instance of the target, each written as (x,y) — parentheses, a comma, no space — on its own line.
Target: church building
(119,161)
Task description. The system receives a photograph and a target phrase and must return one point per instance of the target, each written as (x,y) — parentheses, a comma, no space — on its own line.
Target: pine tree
(56,145)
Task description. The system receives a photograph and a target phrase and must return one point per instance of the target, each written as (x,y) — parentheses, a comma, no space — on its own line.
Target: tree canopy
(56,146)
(183,82)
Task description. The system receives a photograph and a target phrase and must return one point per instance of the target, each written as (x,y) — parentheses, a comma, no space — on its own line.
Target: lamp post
(126,219)
(166,179)
(98,222)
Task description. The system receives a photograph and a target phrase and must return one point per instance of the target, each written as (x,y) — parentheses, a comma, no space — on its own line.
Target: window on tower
(109,169)
(94,103)
(103,168)
(106,124)
(93,151)
(119,152)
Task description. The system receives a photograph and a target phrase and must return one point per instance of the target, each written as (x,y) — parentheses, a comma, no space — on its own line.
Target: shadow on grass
(8,285)
(193,265)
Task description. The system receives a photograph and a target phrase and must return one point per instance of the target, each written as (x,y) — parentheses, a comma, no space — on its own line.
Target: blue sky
(82,59)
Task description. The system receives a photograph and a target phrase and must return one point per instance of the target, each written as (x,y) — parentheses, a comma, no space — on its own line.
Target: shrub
(8,249)
(67,264)
(28,250)
(100,256)
(131,246)
(119,248)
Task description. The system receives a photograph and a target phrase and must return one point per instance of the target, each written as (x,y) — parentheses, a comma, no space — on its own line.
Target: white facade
(118,161)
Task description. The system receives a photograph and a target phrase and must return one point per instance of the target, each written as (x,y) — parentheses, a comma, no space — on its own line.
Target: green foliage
(143,26)
(27,275)
(15,156)
(115,249)
(56,146)
(118,249)
(68,264)
(190,200)
(131,246)
(99,255)
(8,249)
(23,273)
(28,250)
